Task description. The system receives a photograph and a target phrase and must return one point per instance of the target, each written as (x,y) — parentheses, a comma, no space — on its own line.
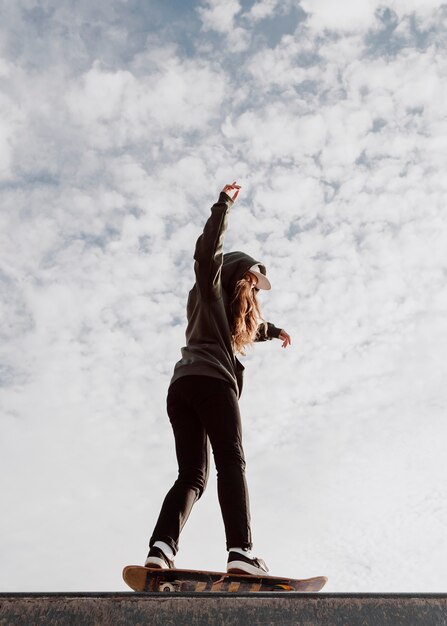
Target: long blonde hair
(246,315)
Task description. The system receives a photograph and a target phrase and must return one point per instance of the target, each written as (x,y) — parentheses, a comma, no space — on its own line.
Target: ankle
(243,551)
(164,547)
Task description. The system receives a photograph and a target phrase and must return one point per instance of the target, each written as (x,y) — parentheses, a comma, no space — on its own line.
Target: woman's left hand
(286,339)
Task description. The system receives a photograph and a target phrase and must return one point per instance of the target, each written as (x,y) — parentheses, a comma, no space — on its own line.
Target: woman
(223,317)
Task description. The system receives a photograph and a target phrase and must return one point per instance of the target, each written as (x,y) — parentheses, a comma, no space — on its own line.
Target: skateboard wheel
(166,587)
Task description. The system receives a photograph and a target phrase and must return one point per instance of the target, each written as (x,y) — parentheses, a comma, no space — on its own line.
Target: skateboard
(141,578)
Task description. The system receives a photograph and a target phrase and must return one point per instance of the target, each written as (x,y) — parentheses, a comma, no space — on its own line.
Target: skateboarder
(202,403)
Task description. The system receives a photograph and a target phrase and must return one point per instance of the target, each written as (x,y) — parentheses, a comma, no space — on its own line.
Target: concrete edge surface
(197,609)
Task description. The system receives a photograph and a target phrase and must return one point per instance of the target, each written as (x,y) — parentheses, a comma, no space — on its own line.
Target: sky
(120,122)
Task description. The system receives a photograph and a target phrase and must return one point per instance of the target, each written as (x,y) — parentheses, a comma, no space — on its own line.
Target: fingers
(228,188)
(286,339)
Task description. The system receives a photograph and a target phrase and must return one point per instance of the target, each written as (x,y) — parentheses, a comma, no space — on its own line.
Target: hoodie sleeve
(272,332)
(208,254)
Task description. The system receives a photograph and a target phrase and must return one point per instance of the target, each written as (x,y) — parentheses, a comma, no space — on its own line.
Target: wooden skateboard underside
(171,580)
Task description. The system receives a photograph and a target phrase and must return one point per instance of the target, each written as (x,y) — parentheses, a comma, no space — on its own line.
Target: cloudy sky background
(119,124)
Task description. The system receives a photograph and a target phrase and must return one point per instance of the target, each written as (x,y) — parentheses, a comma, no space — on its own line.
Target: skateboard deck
(141,578)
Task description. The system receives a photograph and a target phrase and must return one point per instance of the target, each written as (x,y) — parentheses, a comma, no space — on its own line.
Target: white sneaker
(157,558)
(240,564)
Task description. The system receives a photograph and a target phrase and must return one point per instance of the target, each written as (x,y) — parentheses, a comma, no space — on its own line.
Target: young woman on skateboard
(202,403)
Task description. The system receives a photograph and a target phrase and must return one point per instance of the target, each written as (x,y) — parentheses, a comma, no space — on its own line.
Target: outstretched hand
(286,339)
(228,188)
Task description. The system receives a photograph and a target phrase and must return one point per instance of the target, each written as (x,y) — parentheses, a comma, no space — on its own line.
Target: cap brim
(263,281)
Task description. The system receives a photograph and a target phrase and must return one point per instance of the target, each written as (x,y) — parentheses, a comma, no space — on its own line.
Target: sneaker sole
(157,563)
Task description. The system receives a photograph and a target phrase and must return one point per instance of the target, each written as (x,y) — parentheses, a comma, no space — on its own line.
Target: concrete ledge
(306,609)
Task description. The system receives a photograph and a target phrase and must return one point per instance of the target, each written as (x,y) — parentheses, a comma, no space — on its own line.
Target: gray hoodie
(208,349)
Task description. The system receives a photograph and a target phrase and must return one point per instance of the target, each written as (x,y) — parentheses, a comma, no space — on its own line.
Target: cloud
(276,133)
(359,15)
(263,9)
(352,15)
(220,16)
(175,96)
(11,121)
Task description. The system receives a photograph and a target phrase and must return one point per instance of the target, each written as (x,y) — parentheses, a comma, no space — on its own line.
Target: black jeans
(203,408)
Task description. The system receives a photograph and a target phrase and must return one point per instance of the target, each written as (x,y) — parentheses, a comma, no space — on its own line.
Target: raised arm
(208,253)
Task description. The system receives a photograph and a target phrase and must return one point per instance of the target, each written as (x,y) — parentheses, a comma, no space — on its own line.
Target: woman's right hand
(227,189)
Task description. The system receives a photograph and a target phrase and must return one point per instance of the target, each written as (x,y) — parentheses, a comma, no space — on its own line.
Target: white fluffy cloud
(351,15)
(11,120)
(119,107)
(359,15)
(264,8)
(221,16)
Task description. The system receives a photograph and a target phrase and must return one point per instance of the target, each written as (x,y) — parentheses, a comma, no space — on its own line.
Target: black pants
(203,408)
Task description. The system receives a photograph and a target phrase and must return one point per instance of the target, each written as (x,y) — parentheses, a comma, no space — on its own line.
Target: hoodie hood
(234,266)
